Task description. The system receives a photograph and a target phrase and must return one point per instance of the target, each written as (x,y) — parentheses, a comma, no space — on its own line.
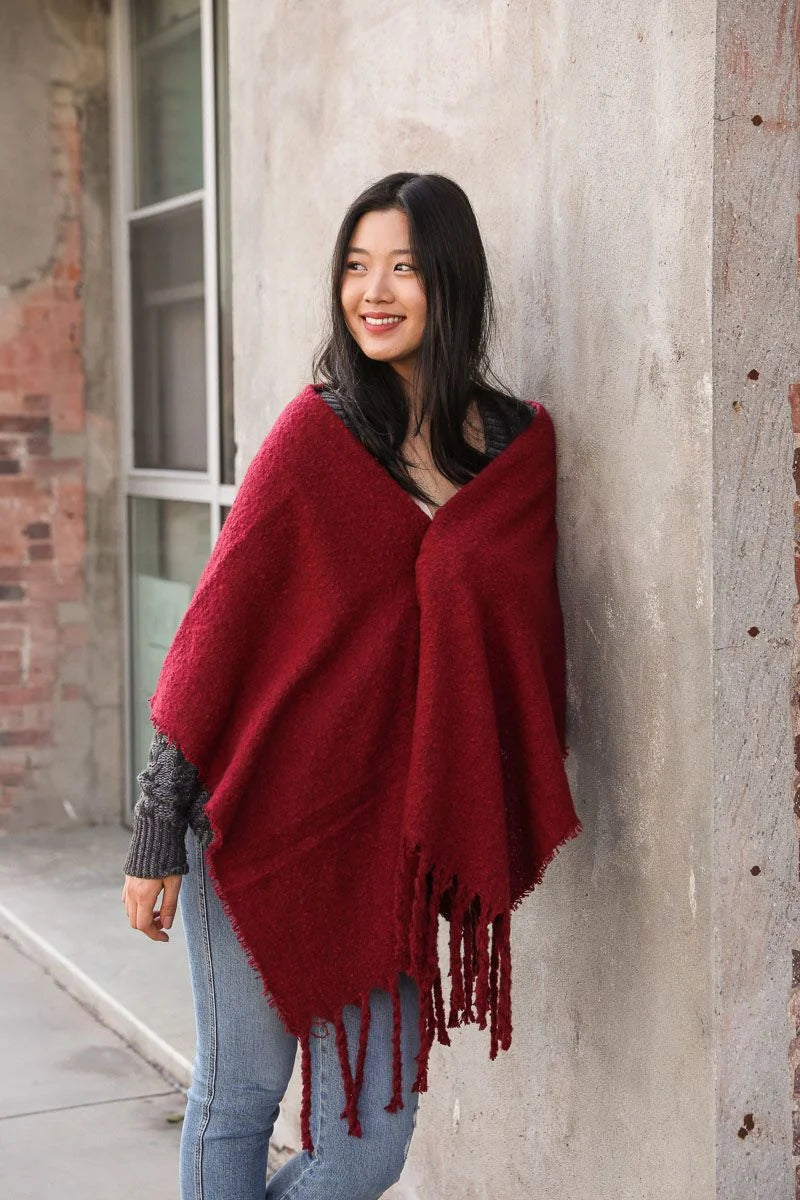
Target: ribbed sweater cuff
(157,849)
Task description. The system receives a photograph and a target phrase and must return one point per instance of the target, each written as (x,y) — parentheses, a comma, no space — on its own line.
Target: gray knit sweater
(171,797)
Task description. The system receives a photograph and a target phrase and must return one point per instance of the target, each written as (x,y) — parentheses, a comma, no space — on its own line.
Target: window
(172,292)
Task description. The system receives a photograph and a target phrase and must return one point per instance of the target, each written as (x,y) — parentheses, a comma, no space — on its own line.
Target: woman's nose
(378,287)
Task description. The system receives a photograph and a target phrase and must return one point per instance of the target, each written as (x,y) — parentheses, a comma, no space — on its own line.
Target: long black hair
(452,365)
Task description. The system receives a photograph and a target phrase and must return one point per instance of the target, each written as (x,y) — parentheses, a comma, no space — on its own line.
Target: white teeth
(383,320)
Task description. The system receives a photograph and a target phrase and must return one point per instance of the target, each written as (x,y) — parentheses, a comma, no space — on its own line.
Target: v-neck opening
(395,486)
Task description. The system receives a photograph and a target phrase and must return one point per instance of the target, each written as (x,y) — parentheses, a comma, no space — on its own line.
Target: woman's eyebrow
(359,250)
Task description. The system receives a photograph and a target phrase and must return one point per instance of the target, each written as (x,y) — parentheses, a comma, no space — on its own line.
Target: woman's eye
(408,266)
(351,265)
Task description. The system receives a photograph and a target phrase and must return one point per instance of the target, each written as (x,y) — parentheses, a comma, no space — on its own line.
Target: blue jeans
(243,1063)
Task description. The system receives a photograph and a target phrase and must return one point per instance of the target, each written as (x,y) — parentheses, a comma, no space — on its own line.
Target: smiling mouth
(381,322)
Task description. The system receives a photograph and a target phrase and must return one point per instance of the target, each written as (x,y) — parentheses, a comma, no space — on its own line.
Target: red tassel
(305,1108)
(427,1022)
(493,994)
(504,1006)
(469,964)
(479,971)
(456,974)
(396,1101)
(353,1126)
(432,945)
(366,1017)
(482,978)
(438,1003)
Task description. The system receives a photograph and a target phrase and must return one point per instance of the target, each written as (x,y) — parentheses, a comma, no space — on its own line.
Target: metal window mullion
(160,207)
(170,485)
(210,256)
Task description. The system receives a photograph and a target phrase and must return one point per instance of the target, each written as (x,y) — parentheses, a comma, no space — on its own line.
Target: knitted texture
(374,702)
(171,796)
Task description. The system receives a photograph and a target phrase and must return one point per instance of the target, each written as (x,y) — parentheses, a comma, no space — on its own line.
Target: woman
(359,725)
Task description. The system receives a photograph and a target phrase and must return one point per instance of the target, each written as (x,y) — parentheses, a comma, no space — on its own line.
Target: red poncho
(374,701)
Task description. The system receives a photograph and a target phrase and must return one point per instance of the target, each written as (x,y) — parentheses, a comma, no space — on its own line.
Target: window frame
(159,483)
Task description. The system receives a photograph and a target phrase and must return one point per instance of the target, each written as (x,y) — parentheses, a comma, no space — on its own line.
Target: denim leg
(344,1167)
(244,1056)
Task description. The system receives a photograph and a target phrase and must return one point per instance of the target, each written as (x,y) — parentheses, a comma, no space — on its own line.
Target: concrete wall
(756,367)
(60,643)
(584,136)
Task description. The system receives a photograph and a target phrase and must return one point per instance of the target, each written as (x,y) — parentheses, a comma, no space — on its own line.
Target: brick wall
(45,616)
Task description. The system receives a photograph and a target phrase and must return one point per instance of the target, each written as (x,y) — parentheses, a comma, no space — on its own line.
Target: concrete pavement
(60,905)
(82,1115)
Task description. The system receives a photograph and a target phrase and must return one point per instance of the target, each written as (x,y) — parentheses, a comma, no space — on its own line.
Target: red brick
(26,737)
(42,468)
(10,423)
(33,694)
(36,402)
(42,673)
(65,359)
(41,589)
(29,352)
(17,487)
(37,571)
(42,497)
(13,614)
(12,718)
(37,529)
(74,589)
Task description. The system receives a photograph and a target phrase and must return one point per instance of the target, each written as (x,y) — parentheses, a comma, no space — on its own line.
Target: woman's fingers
(140,897)
(169,901)
(146,921)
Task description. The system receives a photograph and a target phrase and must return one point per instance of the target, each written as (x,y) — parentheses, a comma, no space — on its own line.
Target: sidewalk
(81,1114)
(60,905)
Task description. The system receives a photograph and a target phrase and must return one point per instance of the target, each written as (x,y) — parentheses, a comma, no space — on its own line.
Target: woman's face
(382,297)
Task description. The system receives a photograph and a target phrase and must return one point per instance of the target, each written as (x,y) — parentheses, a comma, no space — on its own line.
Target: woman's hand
(139,897)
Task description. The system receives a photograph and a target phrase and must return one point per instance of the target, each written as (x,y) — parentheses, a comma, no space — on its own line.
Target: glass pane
(170,544)
(168,99)
(169,369)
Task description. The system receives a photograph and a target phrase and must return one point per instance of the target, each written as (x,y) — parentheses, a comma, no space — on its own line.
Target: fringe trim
(396,1102)
(480,973)
(480,977)
(305,1112)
